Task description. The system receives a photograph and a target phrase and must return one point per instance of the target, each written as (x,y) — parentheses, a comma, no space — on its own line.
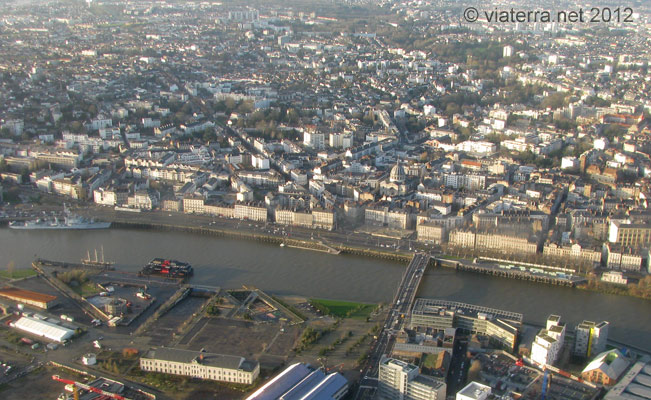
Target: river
(231,263)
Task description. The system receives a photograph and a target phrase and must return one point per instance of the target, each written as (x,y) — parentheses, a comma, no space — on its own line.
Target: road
(458,367)
(395,321)
(352,239)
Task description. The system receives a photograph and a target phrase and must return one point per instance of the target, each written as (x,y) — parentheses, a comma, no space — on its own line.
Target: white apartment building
(399,380)
(193,204)
(314,140)
(478,148)
(458,181)
(474,391)
(250,212)
(590,338)
(616,277)
(548,343)
(340,140)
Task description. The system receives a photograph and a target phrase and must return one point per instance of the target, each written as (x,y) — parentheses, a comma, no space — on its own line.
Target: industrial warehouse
(40,300)
(300,382)
(198,364)
(45,329)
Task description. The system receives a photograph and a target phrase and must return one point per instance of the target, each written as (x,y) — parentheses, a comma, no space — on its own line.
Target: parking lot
(228,336)
(163,330)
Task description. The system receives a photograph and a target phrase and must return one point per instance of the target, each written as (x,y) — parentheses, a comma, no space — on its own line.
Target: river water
(230,263)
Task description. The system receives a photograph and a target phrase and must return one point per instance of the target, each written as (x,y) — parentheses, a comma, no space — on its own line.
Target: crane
(546,383)
(340,366)
(76,384)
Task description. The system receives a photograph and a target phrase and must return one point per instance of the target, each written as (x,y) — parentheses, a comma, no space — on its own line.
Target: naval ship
(69,221)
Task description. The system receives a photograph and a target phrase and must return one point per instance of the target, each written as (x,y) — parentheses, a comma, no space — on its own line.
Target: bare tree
(11,266)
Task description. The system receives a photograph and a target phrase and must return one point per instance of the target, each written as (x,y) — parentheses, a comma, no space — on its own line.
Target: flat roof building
(500,326)
(399,380)
(201,365)
(28,297)
(43,329)
(474,391)
(590,338)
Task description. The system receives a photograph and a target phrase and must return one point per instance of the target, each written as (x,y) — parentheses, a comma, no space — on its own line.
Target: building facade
(548,342)
(250,212)
(501,327)
(399,380)
(201,365)
(431,232)
(590,338)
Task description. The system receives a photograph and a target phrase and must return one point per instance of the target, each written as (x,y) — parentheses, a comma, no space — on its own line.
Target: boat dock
(522,273)
(314,246)
(62,264)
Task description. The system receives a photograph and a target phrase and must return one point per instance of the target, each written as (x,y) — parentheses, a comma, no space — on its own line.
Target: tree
(11,266)
(554,100)
(473,371)
(612,131)
(24,173)
(230,103)
(209,135)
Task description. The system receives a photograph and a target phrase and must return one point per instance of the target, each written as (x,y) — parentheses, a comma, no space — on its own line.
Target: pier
(522,274)
(61,264)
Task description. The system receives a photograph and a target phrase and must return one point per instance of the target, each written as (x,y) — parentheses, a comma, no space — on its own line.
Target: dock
(522,273)
(62,264)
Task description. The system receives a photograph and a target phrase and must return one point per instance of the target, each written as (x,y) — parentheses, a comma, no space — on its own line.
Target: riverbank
(322,241)
(640,290)
(340,248)
(305,244)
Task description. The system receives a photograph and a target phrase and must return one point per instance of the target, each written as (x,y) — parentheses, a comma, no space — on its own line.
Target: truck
(27,341)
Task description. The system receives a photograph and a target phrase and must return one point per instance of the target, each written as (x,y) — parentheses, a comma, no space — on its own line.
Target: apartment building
(193,204)
(250,212)
(590,338)
(492,241)
(431,232)
(548,342)
(398,380)
(575,251)
(629,235)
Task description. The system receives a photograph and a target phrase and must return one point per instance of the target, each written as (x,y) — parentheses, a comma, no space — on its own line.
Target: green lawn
(429,361)
(17,274)
(343,309)
(86,289)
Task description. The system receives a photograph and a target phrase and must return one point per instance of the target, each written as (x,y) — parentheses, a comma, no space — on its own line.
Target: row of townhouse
(316,218)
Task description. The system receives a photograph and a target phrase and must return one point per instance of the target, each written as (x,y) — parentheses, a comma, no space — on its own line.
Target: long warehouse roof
(44,329)
(26,294)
